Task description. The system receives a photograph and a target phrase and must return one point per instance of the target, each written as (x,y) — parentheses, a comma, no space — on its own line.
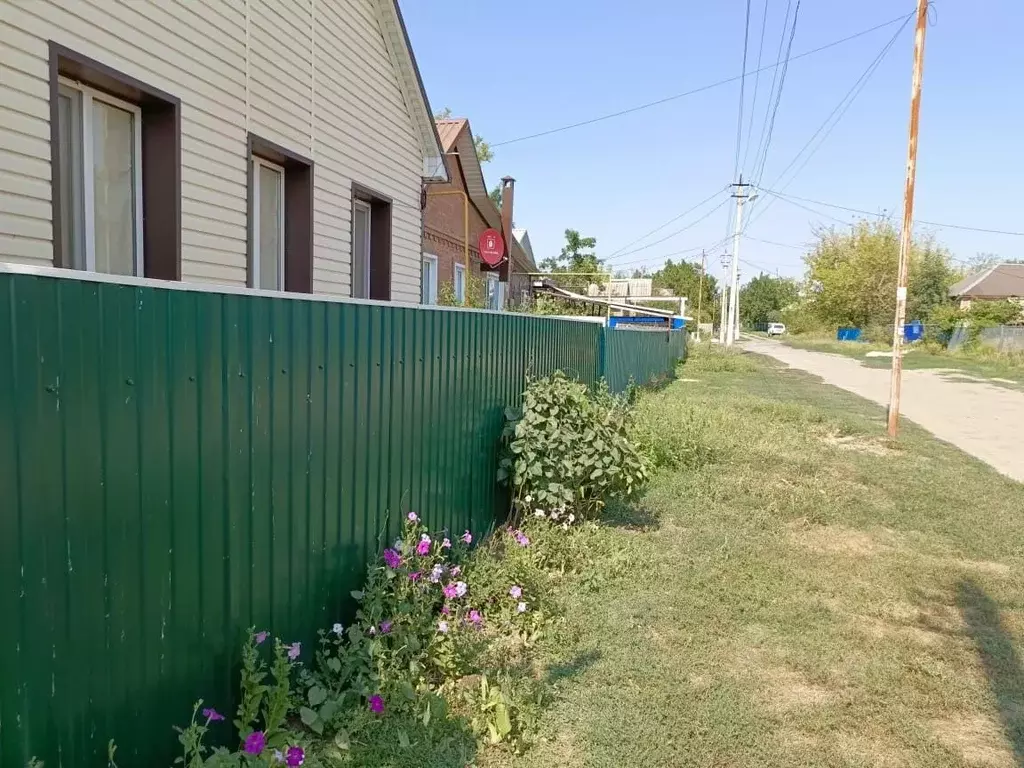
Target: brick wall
(443,228)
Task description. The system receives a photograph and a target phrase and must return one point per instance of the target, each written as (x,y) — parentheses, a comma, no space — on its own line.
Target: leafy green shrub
(568,451)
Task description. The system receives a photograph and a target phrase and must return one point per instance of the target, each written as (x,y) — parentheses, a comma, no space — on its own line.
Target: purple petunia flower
(376,704)
(212,715)
(423,547)
(295,757)
(255,742)
(522,539)
(467,537)
(521,608)
(461,589)
(261,637)
(450,591)
(415,576)
(475,617)
(294,650)
(446,544)
(385,627)
(442,626)
(413,517)
(392,559)
(516,591)
(445,610)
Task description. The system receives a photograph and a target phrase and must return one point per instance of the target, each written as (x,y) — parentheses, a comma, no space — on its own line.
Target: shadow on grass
(582,661)
(630,516)
(999,657)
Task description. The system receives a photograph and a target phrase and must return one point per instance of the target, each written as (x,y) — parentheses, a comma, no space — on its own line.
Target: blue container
(848,334)
(913,331)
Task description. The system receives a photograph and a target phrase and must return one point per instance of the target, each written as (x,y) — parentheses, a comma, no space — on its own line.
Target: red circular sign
(492,247)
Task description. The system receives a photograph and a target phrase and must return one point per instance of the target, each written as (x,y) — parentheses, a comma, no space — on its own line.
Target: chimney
(508,187)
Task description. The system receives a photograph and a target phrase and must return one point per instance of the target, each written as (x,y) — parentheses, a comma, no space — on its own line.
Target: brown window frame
(381,250)
(298,212)
(161,157)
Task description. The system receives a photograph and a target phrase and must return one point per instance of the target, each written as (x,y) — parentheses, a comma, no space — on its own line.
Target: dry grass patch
(873,446)
(780,687)
(837,540)
(976,738)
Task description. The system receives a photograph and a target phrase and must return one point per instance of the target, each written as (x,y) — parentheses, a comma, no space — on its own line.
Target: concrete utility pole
(700,289)
(725,297)
(741,196)
(908,220)
(736,307)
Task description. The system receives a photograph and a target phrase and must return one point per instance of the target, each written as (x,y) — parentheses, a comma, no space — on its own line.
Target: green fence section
(640,356)
(178,465)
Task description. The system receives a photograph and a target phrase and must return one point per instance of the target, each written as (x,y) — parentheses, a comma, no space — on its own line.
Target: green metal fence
(178,465)
(640,356)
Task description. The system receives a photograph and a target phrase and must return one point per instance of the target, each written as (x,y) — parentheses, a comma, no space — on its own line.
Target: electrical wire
(781,245)
(944,225)
(743,85)
(757,82)
(678,231)
(701,89)
(778,96)
(708,199)
(771,90)
(828,125)
(661,257)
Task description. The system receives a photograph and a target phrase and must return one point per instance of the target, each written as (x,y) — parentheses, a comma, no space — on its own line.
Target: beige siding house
(274,144)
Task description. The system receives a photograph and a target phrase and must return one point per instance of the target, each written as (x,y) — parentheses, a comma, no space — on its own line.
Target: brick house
(445,227)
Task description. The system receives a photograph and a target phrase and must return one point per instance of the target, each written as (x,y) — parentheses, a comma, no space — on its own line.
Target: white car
(776,329)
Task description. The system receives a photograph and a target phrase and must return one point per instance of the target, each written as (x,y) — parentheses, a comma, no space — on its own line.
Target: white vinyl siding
(318,80)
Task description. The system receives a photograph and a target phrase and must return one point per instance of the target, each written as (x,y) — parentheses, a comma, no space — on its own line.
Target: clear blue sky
(517,68)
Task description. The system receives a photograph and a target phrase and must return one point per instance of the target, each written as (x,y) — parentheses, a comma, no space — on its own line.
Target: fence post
(601,354)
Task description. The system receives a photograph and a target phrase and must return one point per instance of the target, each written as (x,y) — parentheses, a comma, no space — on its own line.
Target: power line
(945,225)
(678,231)
(663,256)
(838,112)
(781,245)
(743,85)
(757,82)
(701,89)
(670,221)
(778,96)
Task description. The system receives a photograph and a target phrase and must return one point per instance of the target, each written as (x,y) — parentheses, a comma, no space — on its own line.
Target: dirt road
(981,419)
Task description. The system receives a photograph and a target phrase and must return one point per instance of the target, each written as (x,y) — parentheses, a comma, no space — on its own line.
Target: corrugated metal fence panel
(640,356)
(176,466)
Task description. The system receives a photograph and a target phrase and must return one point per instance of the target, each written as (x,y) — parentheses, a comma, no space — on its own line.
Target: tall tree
(853,275)
(683,279)
(577,257)
(763,298)
(495,195)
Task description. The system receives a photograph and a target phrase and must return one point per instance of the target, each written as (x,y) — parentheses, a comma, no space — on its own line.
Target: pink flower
(294,650)
(412,517)
(522,539)
(376,704)
(461,589)
(450,591)
(255,742)
(423,547)
(442,626)
(385,627)
(415,576)
(467,537)
(261,637)
(392,559)
(295,757)
(455,570)
(475,617)
(446,544)
(212,715)
(516,591)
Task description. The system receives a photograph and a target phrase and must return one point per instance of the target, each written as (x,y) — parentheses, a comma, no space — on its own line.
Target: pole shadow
(1000,659)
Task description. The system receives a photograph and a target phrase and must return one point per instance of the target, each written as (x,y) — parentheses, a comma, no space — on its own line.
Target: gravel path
(984,420)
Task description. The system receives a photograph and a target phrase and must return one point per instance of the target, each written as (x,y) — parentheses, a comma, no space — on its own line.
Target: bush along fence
(181,465)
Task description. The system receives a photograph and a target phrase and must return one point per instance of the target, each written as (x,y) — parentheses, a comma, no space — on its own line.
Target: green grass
(982,362)
(798,592)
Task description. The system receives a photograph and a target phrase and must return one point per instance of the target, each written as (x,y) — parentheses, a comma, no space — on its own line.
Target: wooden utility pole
(908,221)
(700,289)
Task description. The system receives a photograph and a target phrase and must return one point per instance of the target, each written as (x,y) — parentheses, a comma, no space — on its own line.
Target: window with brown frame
(280,218)
(115,164)
(371,244)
